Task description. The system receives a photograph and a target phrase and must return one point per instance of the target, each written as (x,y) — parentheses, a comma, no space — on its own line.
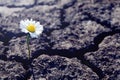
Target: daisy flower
(32,27)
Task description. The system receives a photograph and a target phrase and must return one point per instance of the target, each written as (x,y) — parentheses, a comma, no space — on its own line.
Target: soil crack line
(71,53)
(99,21)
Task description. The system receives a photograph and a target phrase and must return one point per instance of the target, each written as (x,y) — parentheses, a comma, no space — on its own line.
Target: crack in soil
(62,19)
(71,53)
(99,21)
(62,14)
(7,36)
(22,6)
(69,4)
(26,65)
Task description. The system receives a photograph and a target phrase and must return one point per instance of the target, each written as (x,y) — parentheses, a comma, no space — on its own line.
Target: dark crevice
(62,14)
(14,6)
(7,36)
(94,68)
(21,6)
(25,62)
(35,2)
(26,65)
(27,75)
(98,39)
(70,53)
(62,19)
(1,5)
(69,4)
(48,31)
(3,57)
(50,3)
(105,23)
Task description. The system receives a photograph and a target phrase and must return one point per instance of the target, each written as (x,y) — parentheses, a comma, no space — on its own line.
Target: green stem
(28,41)
(29,53)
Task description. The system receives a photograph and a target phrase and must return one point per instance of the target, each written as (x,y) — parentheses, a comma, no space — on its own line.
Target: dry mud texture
(80,41)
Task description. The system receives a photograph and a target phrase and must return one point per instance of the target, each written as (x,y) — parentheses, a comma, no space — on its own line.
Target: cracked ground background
(80,41)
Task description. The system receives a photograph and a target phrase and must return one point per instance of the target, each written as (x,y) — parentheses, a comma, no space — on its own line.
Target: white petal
(38,32)
(24,30)
(23,24)
(33,35)
(40,27)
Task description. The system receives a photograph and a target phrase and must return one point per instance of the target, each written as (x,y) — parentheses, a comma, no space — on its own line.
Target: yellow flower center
(31,28)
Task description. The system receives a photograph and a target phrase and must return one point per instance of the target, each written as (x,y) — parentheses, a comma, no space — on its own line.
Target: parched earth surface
(80,41)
